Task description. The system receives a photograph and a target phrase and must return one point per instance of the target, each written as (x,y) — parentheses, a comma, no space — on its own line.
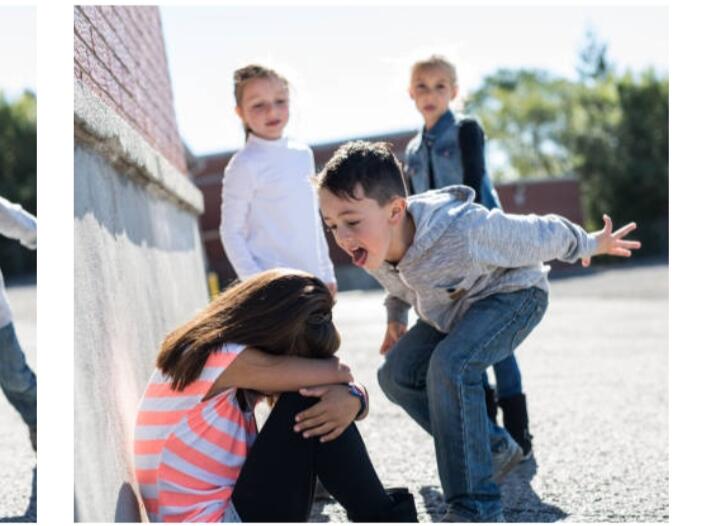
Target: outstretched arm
(18,224)
(613,243)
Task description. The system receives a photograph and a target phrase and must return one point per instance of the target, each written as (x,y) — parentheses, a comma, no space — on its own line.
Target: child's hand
(611,243)
(395,330)
(330,416)
(342,368)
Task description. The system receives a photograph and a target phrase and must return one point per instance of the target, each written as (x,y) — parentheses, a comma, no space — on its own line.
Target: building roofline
(388,136)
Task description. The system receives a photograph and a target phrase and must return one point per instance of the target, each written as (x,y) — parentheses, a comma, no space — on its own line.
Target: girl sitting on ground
(198,455)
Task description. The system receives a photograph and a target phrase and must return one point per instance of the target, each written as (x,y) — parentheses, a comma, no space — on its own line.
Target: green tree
(610,131)
(523,113)
(18,167)
(624,156)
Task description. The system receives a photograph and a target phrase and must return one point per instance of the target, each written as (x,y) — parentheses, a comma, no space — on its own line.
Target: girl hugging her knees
(198,454)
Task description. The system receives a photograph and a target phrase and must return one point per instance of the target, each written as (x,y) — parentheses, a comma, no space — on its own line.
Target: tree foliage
(18,167)
(610,131)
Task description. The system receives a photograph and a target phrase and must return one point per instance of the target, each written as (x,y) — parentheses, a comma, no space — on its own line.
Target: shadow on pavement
(127,508)
(521,503)
(30,514)
(318,514)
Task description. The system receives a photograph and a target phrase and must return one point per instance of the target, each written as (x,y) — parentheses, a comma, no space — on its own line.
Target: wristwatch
(359,393)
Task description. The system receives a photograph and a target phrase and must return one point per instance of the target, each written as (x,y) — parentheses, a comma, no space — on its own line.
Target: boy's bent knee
(384,378)
(447,368)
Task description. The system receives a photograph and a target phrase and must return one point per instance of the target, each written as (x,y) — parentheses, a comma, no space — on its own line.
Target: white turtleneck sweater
(270,212)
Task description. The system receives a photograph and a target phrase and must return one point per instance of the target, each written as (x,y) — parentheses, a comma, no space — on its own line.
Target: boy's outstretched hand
(613,243)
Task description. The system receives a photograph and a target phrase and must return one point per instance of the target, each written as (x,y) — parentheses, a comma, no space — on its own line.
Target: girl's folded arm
(254,369)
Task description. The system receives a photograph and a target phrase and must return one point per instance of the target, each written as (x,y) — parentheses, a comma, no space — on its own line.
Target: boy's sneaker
(505,456)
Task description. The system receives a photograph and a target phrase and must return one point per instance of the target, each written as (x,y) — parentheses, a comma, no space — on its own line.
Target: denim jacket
(441,142)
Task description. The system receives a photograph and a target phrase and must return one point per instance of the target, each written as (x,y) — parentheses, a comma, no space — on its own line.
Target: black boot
(516,421)
(490,399)
(401,510)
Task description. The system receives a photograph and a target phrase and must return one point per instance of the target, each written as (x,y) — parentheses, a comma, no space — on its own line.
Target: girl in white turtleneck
(270,214)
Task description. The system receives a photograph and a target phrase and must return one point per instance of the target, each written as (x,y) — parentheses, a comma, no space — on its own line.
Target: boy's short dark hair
(372,165)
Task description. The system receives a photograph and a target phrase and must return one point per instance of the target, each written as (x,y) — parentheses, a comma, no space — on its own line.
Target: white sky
(349,65)
(17,50)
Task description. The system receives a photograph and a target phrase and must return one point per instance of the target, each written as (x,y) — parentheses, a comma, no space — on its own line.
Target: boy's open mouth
(359,256)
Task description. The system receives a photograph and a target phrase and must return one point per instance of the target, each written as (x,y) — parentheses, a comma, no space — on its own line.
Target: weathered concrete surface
(595,374)
(18,483)
(139,273)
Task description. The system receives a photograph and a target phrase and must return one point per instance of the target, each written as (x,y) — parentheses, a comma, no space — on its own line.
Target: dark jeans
(277,481)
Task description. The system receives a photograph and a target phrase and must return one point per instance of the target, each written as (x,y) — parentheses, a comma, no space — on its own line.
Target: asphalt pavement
(596,378)
(18,475)
(595,373)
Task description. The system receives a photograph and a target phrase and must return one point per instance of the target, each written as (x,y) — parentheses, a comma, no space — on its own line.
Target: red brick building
(559,196)
(120,56)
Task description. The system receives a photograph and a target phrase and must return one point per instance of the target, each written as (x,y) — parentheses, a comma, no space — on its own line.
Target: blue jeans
(437,379)
(507,376)
(16,378)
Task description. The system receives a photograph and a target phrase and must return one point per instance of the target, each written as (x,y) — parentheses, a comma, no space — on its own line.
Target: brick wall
(120,56)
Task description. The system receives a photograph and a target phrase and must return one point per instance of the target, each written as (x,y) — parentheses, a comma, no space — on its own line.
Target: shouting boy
(477,281)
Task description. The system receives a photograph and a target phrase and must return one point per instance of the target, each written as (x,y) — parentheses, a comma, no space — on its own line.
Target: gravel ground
(595,374)
(18,484)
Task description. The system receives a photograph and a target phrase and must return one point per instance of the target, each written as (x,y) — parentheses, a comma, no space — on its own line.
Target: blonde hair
(244,75)
(435,61)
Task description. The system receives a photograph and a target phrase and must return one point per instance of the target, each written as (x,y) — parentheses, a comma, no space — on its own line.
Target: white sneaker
(505,457)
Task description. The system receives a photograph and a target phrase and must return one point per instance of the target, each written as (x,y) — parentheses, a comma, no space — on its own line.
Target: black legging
(277,481)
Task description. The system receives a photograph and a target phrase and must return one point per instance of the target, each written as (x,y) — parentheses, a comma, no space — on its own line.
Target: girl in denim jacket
(449,150)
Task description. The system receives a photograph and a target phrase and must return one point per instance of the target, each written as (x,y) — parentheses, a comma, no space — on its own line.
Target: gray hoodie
(463,252)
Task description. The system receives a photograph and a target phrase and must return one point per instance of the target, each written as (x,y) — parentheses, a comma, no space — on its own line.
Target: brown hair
(280,311)
(250,72)
(435,61)
(371,165)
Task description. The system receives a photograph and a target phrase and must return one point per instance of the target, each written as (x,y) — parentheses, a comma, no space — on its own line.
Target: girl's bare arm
(267,373)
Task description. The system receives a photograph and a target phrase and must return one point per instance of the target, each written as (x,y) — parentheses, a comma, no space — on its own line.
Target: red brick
(100,47)
(82,53)
(120,55)
(82,25)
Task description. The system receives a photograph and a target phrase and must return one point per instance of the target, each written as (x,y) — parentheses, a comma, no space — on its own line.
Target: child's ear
(398,206)
(455,91)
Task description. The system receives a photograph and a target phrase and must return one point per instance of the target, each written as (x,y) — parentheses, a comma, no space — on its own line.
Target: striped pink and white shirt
(189,453)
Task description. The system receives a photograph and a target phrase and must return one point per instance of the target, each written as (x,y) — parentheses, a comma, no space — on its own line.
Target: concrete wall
(139,269)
